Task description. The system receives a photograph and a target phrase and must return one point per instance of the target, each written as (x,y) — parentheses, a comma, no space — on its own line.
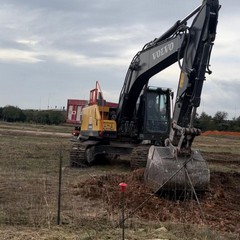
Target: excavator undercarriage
(86,153)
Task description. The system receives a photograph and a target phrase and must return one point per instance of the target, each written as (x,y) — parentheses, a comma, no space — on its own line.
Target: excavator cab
(154,114)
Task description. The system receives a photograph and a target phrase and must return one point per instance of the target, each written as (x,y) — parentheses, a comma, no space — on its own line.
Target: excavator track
(138,157)
(77,155)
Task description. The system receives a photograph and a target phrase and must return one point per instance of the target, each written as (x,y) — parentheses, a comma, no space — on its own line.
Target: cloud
(10,55)
(61,48)
(221,95)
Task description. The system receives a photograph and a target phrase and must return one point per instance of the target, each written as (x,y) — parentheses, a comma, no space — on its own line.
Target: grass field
(90,202)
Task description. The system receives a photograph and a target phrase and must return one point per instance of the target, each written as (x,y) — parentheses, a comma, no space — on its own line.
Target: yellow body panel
(92,123)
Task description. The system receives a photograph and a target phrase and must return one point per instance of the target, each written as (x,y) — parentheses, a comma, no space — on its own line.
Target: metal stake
(59,187)
(123,189)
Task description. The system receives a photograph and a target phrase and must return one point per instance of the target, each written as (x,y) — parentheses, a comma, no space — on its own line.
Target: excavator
(147,126)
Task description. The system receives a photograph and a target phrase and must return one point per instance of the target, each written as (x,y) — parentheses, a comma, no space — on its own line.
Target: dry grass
(29,171)
(218,144)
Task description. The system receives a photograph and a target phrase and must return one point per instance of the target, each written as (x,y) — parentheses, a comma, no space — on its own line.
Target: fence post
(123,189)
(59,187)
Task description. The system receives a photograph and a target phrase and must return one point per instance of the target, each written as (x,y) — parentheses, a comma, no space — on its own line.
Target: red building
(74,110)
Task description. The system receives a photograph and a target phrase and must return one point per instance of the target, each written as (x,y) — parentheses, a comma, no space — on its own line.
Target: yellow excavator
(145,126)
(98,119)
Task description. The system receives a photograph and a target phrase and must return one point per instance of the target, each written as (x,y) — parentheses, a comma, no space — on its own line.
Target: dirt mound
(220,133)
(221,204)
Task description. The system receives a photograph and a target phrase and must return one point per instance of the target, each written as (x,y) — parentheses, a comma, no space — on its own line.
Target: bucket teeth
(165,171)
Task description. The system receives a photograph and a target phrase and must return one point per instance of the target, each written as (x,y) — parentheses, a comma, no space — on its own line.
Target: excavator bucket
(165,171)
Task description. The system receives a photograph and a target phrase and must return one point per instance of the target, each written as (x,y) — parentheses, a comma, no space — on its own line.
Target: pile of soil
(221,205)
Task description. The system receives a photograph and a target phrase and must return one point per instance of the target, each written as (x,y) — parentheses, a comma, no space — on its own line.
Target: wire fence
(90,197)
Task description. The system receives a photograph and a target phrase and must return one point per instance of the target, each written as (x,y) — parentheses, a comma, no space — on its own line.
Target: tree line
(15,114)
(218,122)
(203,121)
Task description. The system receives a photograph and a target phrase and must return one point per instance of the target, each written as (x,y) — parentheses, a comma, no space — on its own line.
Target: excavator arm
(194,66)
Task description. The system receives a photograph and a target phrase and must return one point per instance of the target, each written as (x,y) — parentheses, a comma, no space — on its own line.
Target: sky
(54,50)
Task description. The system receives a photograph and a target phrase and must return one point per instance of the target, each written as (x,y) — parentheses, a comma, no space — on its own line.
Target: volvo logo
(162,51)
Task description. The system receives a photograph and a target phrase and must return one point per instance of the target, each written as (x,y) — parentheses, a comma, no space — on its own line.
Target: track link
(139,157)
(77,155)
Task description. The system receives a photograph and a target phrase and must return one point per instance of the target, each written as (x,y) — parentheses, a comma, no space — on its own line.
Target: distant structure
(74,109)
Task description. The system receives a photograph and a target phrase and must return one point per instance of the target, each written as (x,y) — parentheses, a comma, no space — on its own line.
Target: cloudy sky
(53,50)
